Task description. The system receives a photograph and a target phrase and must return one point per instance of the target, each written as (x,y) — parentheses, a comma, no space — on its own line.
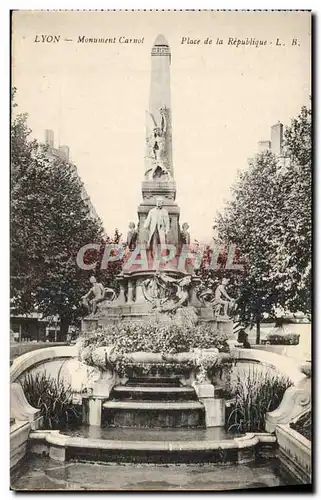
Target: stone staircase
(153,403)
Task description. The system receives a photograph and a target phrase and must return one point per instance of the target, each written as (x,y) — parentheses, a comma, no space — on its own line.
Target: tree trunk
(258,331)
(64,326)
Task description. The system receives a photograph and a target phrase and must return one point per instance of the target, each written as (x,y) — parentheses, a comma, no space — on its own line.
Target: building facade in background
(63,152)
(275,145)
(33,326)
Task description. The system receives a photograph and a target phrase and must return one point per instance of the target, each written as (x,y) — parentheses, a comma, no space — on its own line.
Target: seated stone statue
(221,298)
(97,291)
(99,294)
(218,299)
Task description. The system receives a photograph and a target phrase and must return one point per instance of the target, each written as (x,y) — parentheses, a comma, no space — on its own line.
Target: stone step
(126,388)
(153,405)
(149,381)
(153,393)
(153,414)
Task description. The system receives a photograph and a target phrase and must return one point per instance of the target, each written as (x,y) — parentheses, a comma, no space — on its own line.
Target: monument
(158,275)
(159,296)
(159,170)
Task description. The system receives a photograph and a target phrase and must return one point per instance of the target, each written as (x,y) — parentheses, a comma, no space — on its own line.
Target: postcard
(161,248)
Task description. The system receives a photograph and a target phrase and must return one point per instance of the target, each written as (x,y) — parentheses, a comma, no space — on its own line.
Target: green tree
(293,256)
(109,275)
(269,220)
(50,222)
(246,222)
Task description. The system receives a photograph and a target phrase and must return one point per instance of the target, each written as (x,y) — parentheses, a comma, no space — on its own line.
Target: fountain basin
(157,407)
(139,364)
(105,356)
(61,447)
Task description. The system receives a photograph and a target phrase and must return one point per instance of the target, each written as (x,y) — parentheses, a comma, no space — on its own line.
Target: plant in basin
(53,397)
(255,391)
(154,342)
(303,425)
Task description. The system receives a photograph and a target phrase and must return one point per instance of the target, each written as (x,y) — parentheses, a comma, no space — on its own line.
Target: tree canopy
(269,219)
(50,222)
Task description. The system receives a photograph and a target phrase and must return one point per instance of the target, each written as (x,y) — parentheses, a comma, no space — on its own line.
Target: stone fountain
(158,279)
(167,391)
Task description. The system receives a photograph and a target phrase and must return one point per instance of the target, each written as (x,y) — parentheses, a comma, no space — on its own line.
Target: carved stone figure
(97,291)
(180,294)
(157,224)
(218,299)
(221,298)
(99,294)
(132,236)
(153,292)
(157,146)
(165,293)
(206,297)
(185,235)
(159,135)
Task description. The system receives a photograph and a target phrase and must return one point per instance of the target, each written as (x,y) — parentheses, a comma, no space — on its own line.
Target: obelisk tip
(161,40)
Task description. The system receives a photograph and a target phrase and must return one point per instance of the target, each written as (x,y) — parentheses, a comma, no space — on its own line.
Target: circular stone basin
(105,358)
(158,370)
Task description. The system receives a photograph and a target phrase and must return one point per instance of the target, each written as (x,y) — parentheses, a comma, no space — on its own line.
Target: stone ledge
(33,358)
(295,452)
(236,446)
(128,388)
(284,365)
(166,406)
(19,433)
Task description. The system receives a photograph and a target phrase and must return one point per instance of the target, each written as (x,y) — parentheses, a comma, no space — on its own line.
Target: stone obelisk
(159,173)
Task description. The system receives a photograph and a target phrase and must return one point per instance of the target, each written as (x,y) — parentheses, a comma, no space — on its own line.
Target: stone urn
(154,365)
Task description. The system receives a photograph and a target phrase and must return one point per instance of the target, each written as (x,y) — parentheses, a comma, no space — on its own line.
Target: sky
(224,98)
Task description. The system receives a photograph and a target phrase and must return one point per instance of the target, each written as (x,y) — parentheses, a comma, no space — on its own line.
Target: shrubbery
(156,337)
(159,337)
(284,339)
(304,425)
